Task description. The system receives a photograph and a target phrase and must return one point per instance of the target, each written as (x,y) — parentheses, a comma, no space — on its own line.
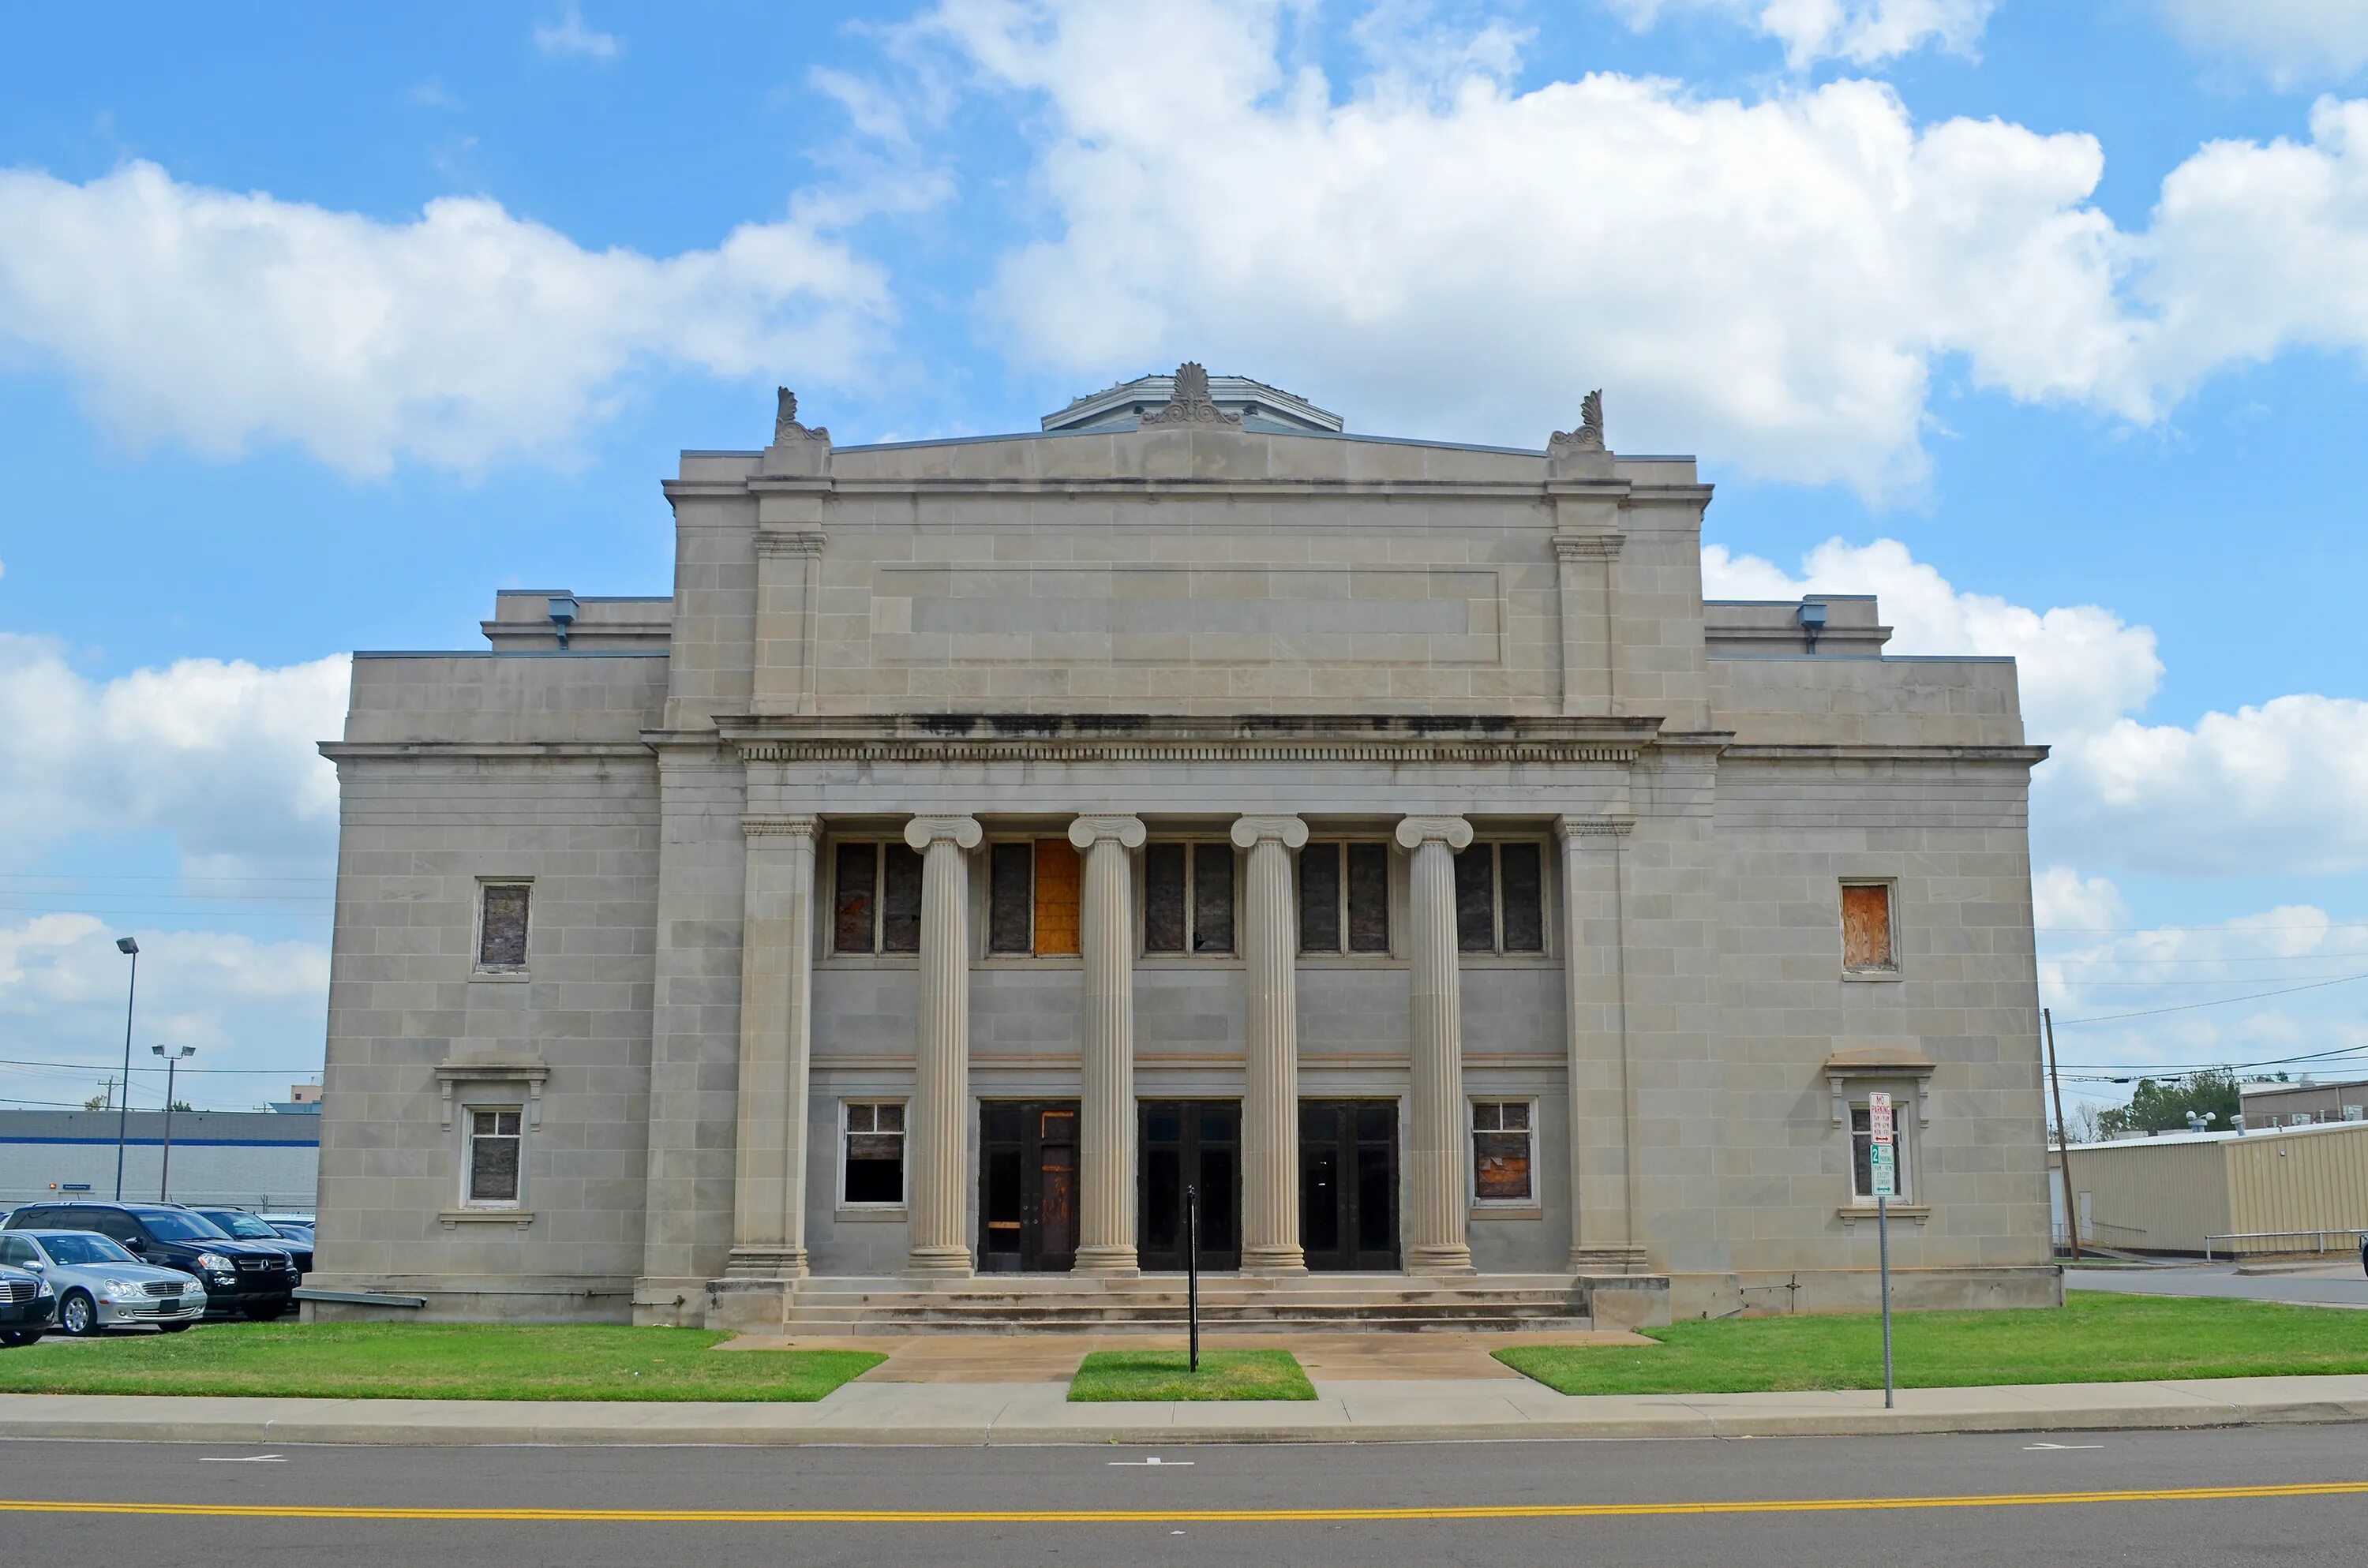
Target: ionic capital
(1088,831)
(1415,831)
(1588,546)
(1599,829)
(1290,832)
(775,826)
(803,541)
(964,832)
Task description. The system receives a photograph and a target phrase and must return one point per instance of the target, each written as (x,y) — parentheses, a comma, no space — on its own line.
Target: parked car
(296,1230)
(26,1304)
(99,1286)
(241,1279)
(249,1227)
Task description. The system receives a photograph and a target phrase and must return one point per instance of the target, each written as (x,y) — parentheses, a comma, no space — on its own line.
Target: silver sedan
(100,1285)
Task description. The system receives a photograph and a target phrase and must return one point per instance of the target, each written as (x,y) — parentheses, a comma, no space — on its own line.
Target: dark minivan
(255,1279)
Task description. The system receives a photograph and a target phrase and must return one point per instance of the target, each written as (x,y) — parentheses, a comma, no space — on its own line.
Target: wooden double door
(1028,1185)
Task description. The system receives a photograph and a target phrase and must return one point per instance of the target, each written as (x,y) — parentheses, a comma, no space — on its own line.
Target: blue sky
(317,328)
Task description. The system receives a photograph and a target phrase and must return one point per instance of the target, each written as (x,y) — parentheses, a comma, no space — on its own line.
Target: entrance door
(1348,1184)
(1189,1142)
(1028,1185)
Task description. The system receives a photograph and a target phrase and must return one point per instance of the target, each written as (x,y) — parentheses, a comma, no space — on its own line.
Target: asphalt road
(2341,1286)
(1948,1500)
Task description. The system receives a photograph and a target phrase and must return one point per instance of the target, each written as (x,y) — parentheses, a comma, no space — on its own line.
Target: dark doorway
(1028,1185)
(1348,1184)
(1187,1142)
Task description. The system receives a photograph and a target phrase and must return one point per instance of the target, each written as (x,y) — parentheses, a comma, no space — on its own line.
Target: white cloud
(1864,32)
(2064,900)
(1775,280)
(564,36)
(2289,41)
(218,756)
(223,320)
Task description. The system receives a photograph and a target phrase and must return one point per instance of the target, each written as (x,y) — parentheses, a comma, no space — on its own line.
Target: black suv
(245,1227)
(243,1278)
(26,1304)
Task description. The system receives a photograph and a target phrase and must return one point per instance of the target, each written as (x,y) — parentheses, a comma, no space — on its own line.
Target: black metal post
(1882,1249)
(1192,1273)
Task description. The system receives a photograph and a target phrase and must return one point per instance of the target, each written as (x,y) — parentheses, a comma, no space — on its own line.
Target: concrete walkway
(1347,1410)
(1053,1358)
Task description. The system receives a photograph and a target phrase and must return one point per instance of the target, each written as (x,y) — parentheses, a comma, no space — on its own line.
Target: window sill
(521,1218)
(1871,977)
(1853,1212)
(1508,1211)
(871,961)
(849,1214)
(498,976)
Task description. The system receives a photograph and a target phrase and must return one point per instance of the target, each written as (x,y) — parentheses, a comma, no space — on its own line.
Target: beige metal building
(2305,1104)
(2252,1192)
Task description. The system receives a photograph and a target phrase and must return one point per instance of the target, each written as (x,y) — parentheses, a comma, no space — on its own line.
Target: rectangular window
(872,1169)
(875,898)
(1866,928)
(501,926)
(1344,898)
(1187,897)
(494,1138)
(1500,898)
(1504,1143)
(1032,904)
(1862,1157)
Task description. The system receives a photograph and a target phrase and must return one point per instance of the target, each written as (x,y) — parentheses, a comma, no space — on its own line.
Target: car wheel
(264,1312)
(13,1337)
(78,1315)
(174,1327)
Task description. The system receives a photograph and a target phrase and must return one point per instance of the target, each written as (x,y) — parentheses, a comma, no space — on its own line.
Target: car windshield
(243,1225)
(83,1246)
(174,1226)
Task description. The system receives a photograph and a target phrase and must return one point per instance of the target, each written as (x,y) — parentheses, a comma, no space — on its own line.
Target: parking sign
(1878,1116)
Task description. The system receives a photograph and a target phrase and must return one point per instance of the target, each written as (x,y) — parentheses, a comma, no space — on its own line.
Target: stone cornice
(1143,738)
(415,751)
(1809,751)
(1607,827)
(1588,547)
(760,825)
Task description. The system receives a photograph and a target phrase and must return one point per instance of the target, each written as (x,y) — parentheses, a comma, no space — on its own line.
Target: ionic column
(937,1131)
(1271,1087)
(1439,1212)
(768,1225)
(1105,1113)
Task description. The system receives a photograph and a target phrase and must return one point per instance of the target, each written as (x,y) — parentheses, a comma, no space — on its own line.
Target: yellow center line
(1172,1516)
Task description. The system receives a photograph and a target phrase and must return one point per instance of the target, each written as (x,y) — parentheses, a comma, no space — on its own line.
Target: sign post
(1885,1172)
(1192,1273)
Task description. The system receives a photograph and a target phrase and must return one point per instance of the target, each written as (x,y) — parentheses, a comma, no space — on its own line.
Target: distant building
(303,1099)
(251,1158)
(2305,1104)
(2249,1192)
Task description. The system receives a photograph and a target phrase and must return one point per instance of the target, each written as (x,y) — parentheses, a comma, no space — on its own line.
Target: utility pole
(107,1086)
(123,1110)
(2062,1138)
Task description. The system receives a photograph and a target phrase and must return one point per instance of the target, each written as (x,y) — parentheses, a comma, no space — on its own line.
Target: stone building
(990,840)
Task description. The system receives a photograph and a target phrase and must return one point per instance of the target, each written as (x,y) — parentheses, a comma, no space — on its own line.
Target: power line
(2231,1066)
(86,1066)
(2221,1002)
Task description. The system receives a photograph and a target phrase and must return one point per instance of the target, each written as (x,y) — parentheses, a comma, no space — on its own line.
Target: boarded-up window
(494,1140)
(1012,892)
(1056,896)
(874,1167)
(1344,898)
(1503,1151)
(1866,926)
(1187,897)
(501,929)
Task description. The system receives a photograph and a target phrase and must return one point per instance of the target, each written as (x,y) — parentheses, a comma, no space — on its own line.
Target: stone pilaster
(1595,1015)
(1106,1109)
(768,1225)
(789,573)
(1270,1099)
(1440,1210)
(937,1131)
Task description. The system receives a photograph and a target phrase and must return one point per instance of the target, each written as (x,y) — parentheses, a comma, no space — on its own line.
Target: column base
(1607,1258)
(1445,1258)
(761,1262)
(938,1263)
(1109,1260)
(1273,1260)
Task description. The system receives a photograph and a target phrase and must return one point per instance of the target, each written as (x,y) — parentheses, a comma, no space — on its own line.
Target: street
(2338,1283)
(1779,1502)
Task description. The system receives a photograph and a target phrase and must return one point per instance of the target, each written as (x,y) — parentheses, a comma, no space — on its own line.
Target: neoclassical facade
(993,847)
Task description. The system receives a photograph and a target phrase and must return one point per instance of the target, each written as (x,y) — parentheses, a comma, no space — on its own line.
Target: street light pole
(123,1106)
(172,1062)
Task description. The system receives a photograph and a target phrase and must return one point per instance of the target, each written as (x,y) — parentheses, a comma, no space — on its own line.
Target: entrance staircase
(1242,1304)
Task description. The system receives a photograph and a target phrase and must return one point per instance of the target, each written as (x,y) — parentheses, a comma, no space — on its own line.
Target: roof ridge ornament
(797,451)
(1588,436)
(1190,403)
(786,427)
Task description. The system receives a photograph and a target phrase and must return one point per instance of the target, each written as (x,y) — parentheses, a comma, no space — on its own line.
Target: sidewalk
(1347,1410)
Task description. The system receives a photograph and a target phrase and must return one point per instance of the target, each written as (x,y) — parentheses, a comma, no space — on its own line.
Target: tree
(2162,1105)
(181,1105)
(99,1102)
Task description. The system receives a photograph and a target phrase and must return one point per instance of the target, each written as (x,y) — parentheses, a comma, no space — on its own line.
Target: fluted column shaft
(768,1226)
(1270,1085)
(1439,1210)
(937,1130)
(1106,1111)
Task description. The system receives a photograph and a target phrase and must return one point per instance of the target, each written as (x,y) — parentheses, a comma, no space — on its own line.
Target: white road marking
(240,1458)
(1152,1460)
(2057,1448)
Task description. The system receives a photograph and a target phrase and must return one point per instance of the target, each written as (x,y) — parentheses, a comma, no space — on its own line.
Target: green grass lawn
(2091,1338)
(1161,1374)
(428,1361)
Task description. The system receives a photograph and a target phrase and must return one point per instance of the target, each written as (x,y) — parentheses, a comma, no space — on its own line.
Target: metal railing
(2354,1235)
